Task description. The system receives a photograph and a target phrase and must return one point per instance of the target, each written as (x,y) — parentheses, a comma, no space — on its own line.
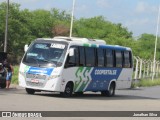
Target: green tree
(147,45)
(99,28)
(24,26)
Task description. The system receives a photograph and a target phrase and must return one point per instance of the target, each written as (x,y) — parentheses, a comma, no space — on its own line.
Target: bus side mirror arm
(71,52)
(25,48)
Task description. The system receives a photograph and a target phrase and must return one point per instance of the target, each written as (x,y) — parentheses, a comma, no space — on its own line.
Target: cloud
(144,7)
(137,22)
(2,1)
(103,3)
(35,4)
(26,1)
(141,25)
(81,10)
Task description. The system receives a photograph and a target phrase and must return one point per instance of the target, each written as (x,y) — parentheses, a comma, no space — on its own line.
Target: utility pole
(155,48)
(71,27)
(6,29)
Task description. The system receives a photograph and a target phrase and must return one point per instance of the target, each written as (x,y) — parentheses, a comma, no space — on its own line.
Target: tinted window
(118,56)
(126,59)
(81,56)
(74,60)
(100,57)
(130,59)
(90,56)
(109,58)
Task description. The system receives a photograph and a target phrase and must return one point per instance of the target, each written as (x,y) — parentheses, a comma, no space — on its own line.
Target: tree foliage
(146,46)
(26,25)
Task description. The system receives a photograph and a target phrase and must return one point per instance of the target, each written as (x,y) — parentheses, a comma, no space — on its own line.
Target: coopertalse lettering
(105,72)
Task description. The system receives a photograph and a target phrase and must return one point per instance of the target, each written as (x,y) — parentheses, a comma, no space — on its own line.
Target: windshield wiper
(36,61)
(48,61)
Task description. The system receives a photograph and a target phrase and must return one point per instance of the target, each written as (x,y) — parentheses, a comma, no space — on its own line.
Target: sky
(138,16)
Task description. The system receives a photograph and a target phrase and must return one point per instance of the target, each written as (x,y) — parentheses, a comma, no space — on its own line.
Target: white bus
(75,65)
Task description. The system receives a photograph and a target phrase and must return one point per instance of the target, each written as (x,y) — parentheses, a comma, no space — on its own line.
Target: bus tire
(110,92)
(68,90)
(3,85)
(30,91)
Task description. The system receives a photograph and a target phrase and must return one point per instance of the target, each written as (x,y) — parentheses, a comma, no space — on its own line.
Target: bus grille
(36,76)
(40,78)
(40,84)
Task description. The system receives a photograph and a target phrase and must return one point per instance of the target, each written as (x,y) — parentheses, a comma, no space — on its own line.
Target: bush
(146,83)
(15,75)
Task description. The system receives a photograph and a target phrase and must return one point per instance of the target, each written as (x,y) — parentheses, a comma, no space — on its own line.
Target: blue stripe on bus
(35,70)
(101,78)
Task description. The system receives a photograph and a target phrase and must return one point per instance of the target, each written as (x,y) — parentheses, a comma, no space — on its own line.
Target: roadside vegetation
(15,75)
(146,83)
(26,25)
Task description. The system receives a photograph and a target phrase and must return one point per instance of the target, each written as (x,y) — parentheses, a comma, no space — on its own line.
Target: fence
(143,69)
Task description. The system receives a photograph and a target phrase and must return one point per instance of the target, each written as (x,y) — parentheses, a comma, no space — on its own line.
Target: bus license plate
(35,81)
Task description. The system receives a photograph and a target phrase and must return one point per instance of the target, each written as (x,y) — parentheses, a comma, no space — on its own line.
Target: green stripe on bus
(85,82)
(26,69)
(87,69)
(77,74)
(94,45)
(86,45)
(83,86)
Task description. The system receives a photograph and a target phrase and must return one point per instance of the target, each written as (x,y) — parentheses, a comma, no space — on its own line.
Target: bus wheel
(30,91)
(110,92)
(3,85)
(68,90)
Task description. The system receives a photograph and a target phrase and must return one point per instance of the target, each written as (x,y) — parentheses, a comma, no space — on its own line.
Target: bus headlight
(53,77)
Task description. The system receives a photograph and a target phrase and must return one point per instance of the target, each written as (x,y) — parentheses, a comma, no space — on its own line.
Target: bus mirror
(71,52)
(25,48)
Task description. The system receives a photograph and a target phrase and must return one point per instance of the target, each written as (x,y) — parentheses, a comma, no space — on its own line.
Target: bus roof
(87,42)
(82,40)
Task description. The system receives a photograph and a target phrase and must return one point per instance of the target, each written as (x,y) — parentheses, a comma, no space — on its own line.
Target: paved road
(139,99)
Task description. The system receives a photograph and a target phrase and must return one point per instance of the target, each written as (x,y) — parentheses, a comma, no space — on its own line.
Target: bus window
(109,58)
(90,56)
(118,55)
(130,59)
(100,57)
(81,56)
(74,60)
(126,59)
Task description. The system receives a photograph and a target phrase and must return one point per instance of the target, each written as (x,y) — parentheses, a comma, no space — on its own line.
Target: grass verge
(146,83)
(15,75)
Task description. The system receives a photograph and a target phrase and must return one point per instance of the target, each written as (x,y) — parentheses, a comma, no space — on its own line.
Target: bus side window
(81,56)
(73,60)
(100,57)
(118,55)
(109,58)
(90,56)
(130,59)
(127,59)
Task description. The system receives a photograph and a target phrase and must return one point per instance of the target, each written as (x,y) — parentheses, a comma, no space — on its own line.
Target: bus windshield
(45,54)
